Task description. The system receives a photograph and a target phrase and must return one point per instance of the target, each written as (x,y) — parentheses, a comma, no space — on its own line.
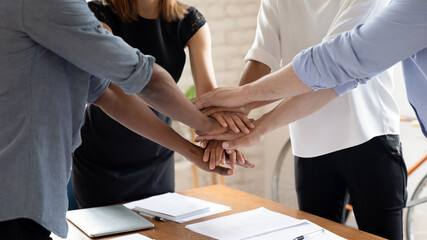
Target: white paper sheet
(244,225)
(133,237)
(214,208)
(298,230)
(171,206)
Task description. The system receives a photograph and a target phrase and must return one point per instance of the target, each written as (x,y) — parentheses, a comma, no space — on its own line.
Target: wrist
(262,125)
(205,125)
(191,152)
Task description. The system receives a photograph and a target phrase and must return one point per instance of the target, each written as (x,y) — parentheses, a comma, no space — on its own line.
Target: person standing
(352,144)
(54,58)
(117,165)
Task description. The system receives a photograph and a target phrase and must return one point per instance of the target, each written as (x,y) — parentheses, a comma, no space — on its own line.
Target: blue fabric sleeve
(97,87)
(396,33)
(70,29)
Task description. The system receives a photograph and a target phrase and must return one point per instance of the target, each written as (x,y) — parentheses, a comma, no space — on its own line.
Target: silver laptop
(101,221)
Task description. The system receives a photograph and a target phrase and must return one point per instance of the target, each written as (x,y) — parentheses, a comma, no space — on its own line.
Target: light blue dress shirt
(50,51)
(398,33)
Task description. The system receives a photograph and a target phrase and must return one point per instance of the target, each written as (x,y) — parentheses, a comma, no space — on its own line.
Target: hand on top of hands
(217,156)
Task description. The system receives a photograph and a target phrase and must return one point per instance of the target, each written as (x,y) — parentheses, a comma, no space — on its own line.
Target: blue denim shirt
(54,58)
(398,33)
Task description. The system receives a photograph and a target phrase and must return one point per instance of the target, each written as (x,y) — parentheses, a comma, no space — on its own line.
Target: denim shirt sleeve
(69,29)
(97,86)
(396,33)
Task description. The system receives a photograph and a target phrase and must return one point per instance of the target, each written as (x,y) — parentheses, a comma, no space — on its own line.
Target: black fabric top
(163,40)
(106,143)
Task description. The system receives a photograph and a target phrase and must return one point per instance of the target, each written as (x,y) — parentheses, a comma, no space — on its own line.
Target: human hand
(222,97)
(211,127)
(196,157)
(216,155)
(235,121)
(245,110)
(232,140)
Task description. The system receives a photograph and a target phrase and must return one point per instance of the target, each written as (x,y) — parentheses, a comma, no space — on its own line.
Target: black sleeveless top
(114,164)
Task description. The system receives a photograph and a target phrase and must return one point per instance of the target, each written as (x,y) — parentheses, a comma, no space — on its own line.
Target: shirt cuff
(305,70)
(344,88)
(140,77)
(264,57)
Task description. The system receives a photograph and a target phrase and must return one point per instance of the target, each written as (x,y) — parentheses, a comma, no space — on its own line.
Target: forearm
(278,85)
(130,111)
(163,94)
(295,108)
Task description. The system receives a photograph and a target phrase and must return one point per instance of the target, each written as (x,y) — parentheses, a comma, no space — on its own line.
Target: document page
(244,225)
(309,230)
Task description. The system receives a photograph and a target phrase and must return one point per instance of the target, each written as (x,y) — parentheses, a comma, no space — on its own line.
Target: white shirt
(286,27)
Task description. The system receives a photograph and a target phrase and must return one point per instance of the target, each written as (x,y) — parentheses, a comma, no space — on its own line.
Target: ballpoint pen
(306,235)
(152,217)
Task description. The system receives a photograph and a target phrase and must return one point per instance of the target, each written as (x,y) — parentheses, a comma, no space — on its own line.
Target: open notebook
(170,206)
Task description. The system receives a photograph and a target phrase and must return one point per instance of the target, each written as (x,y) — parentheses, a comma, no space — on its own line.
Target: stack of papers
(176,207)
(259,224)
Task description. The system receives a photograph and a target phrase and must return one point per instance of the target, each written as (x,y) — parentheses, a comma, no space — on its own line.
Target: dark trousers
(23,229)
(373,174)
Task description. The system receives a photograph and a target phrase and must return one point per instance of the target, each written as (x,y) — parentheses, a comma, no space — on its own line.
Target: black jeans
(23,229)
(373,174)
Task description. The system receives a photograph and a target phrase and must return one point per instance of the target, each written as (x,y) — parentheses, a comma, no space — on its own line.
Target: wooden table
(239,202)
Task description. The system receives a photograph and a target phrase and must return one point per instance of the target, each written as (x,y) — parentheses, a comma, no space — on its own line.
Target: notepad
(170,206)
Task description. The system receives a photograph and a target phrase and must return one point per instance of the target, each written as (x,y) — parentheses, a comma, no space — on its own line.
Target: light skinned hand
(245,110)
(222,97)
(235,121)
(232,140)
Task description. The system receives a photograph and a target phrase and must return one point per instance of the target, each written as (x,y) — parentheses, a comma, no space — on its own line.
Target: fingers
(219,154)
(230,121)
(212,160)
(204,144)
(202,101)
(223,137)
(235,121)
(232,160)
(240,124)
(207,153)
(212,110)
(247,164)
(240,157)
(220,119)
(245,120)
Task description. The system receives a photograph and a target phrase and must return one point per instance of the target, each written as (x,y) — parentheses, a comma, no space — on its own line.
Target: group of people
(124,58)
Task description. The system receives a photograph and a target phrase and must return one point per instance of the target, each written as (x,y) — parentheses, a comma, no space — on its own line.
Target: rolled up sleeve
(69,29)
(266,47)
(396,33)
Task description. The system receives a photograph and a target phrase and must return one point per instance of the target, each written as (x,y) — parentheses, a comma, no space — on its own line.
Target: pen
(152,217)
(306,235)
